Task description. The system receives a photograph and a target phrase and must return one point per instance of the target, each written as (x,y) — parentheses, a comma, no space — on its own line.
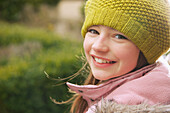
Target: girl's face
(109,52)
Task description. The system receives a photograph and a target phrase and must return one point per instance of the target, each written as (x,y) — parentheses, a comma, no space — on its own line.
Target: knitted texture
(145,22)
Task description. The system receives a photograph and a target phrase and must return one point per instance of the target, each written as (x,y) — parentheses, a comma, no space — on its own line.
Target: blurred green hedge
(25,53)
(10,9)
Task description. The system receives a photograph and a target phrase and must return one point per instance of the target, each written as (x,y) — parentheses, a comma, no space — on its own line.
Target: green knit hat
(145,22)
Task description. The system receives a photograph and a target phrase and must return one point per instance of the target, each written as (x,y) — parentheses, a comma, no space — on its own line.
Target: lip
(101,65)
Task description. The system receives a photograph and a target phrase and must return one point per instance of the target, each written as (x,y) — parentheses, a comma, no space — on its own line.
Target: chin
(101,77)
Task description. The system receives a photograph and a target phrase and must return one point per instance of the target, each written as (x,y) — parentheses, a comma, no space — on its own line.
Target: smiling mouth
(102,61)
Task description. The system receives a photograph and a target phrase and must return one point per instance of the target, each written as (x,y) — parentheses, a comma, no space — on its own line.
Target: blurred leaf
(24,56)
(10,9)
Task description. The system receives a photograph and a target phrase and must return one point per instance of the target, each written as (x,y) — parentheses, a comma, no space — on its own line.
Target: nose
(100,45)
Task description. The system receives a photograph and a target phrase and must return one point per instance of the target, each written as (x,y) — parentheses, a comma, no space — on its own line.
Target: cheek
(87,47)
(127,52)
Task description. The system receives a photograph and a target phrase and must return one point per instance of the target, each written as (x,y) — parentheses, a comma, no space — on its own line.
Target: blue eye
(118,36)
(93,31)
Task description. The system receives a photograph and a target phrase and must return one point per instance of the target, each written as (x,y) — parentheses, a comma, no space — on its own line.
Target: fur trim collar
(112,107)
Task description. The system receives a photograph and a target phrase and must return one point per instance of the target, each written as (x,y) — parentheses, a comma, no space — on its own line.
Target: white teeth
(101,60)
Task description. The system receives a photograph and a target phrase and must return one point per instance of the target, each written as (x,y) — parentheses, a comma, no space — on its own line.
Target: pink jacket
(149,84)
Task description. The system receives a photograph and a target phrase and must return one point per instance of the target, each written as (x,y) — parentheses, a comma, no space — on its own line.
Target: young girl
(122,41)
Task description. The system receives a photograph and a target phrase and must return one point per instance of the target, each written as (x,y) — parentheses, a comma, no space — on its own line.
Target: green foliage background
(10,9)
(25,53)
